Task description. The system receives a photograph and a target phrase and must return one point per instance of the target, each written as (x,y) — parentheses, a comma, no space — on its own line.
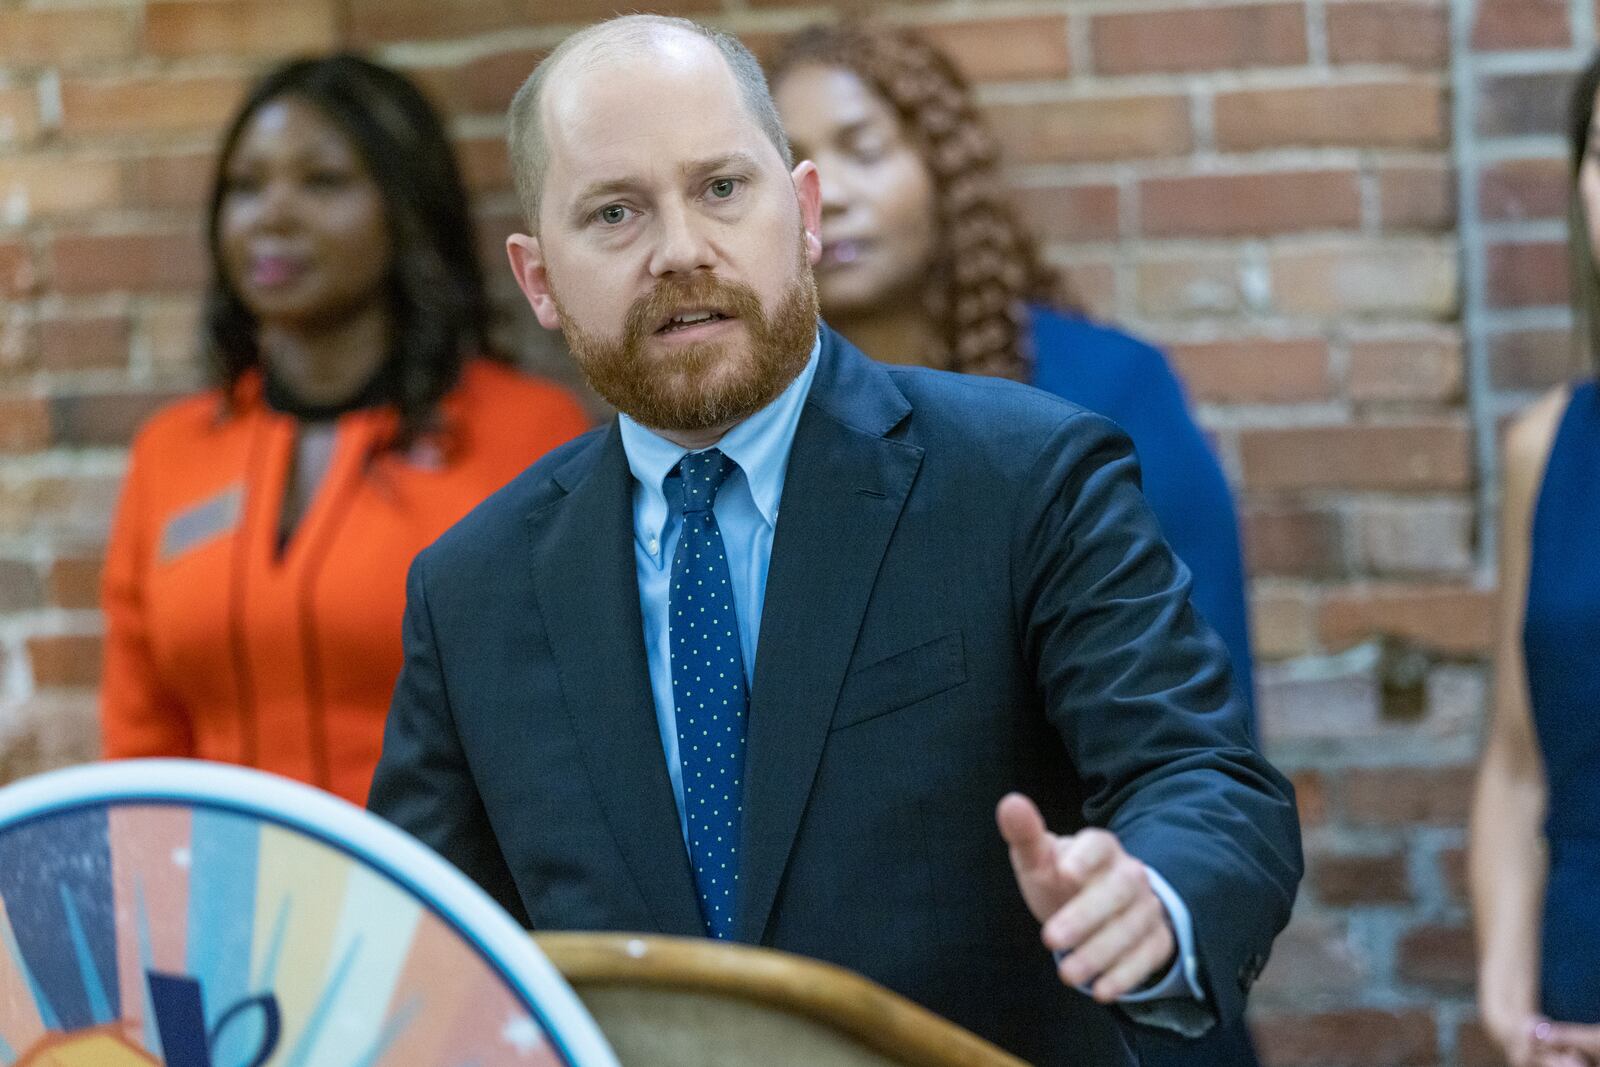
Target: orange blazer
(221,647)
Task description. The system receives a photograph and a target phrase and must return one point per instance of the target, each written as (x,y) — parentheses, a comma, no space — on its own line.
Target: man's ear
(808,188)
(527,263)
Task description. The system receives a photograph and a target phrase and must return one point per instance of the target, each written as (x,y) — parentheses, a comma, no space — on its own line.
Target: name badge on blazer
(196,525)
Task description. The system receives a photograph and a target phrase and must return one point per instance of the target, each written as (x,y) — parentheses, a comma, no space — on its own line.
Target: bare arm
(1507,860)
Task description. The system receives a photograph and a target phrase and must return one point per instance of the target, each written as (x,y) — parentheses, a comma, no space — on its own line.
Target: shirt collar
(759,445)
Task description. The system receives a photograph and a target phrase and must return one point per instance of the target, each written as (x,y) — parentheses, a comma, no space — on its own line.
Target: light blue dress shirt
(747,514)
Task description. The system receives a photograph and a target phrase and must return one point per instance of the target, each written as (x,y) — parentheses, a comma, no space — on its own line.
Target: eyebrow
(730,161)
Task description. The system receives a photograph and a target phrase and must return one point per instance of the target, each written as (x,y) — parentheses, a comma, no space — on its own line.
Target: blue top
(1129,382)
(746,508)
(1560,634)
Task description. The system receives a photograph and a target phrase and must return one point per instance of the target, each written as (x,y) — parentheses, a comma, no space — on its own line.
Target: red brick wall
(1268,188)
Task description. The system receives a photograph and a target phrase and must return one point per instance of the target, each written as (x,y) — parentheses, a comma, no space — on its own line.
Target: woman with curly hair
(924,261)
(255,575)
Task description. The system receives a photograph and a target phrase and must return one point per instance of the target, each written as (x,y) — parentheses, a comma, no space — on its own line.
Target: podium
(692,1002)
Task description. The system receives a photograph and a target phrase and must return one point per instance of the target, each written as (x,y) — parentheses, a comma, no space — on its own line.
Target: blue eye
(612,214)
(723,188)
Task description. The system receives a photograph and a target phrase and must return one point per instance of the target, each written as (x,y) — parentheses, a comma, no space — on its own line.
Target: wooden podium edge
(832,996)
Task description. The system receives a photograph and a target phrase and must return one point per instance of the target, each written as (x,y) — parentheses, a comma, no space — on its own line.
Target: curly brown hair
(986,268)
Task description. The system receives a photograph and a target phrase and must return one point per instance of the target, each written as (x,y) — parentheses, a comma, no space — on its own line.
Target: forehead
(814,98)
(628,116)
(290,123)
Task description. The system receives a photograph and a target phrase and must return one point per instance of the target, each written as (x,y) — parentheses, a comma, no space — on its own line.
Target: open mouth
(688,320)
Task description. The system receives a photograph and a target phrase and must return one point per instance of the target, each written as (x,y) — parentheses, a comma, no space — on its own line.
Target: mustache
(672,295)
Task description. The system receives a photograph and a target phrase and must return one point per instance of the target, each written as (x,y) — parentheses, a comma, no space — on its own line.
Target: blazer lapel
(842,496)
(589,597)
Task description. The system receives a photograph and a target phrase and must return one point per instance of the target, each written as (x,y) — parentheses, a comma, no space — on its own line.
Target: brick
(1004,49)
(1345,878)
(1314,959)
(102,419)
(1238,205)
(18,350)
(1407,537)
(172,332)
(1217,38)
(1441,958)
(41,187)
(148,105)
(370,22)
(239,27)
(1432,453)
(161,261)
(19,116)
(17,273)
(1517,105)
(1201,284)
(1322,705)
(1357,1037)
(1527,274)
(74,508)
(1310,797)
(1518,189)
(1534,359)
(169,183)
(1406,113)
(1450,619)
(1369,277)
(1404,796)
(49,37)
(50,730)
(1102,128)
(1427,369)
(1254,370)
(1090,284)
(20,588)
(24,424)
(76,344)
(1070,212)
(1302,543)
(1475,1048)
(481,86)
(1389,31)
(1282,622)
(74,582)
(1417,197)
(1509,24)
(65,659)
(485,164)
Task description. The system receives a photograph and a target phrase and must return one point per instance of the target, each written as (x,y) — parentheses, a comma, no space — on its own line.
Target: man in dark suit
(966,604)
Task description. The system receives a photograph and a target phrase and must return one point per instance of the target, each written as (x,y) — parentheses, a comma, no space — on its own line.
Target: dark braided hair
(436,294)
(986,268)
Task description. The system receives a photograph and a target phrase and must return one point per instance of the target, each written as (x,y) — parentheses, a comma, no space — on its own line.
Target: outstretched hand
(1093,902)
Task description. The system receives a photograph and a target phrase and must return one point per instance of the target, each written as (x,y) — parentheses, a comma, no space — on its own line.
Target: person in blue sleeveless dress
(924,262)
(1535,838)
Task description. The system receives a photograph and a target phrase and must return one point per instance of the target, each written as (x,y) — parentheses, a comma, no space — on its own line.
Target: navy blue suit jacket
(967,595)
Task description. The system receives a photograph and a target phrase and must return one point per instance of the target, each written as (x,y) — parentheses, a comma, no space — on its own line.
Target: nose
(834,200)
(681,244)
(277,205)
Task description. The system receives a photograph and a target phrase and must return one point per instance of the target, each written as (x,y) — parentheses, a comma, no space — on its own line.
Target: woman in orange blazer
(255,577)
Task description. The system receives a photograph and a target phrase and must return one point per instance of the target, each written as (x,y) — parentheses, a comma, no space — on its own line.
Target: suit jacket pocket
(900,680)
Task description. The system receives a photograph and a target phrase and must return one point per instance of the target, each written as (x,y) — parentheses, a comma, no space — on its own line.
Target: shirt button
(655,546)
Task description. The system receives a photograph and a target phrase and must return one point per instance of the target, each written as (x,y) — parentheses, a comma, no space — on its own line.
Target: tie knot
(702,474)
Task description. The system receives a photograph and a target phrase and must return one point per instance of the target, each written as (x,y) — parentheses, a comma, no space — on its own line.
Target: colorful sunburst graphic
(159,931)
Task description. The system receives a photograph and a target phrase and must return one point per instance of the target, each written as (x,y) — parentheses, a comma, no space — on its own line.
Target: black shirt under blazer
(967,595)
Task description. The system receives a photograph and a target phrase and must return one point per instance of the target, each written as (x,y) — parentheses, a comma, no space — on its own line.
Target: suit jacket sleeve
(1140,690)
(423,783)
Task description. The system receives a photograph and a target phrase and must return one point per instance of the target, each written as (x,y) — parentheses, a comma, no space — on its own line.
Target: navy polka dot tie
(708,690)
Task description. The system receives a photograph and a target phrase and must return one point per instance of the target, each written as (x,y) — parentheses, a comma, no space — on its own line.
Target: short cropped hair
(530,153)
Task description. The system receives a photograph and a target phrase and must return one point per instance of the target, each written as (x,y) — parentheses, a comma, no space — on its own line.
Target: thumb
(1032,845)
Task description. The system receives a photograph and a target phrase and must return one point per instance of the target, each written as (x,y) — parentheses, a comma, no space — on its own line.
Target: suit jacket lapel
(842,496)
(589,598)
